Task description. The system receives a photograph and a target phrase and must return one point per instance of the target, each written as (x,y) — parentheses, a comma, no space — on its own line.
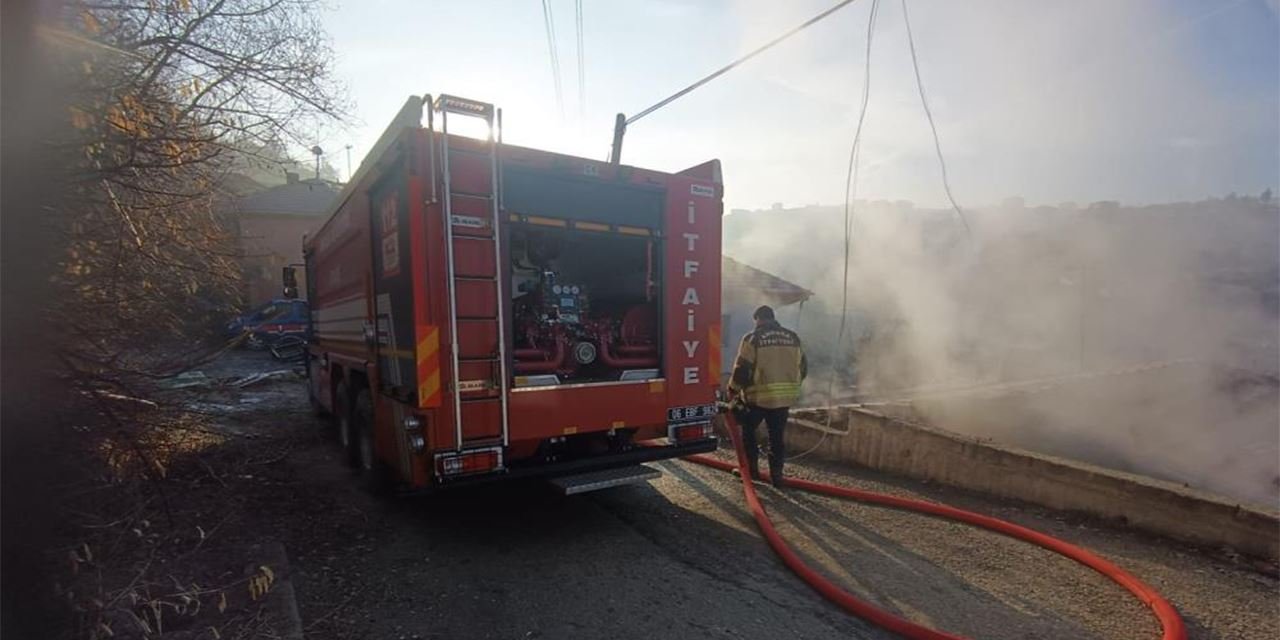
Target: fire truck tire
(317,409)
(342,416)
(373,473)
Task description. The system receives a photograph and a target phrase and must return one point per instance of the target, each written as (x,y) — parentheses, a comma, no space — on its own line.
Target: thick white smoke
(1142,338)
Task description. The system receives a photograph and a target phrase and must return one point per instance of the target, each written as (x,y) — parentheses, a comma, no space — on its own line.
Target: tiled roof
(744,282)
(302,198)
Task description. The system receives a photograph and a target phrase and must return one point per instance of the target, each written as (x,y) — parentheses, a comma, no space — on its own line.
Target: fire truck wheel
(374,476)
(316,408)
(342,415)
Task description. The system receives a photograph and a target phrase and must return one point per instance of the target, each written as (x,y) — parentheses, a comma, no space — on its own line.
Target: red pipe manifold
(621,362)
(538,360)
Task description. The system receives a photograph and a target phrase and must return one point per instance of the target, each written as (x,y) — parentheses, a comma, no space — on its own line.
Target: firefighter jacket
(770,367)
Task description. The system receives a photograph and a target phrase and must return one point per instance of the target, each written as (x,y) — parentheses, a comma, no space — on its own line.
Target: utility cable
(924,102)
(850,192)
(725,69)
(549,22)
(582,62)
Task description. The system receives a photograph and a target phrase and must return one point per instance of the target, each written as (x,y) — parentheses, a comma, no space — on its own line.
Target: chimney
(290,177)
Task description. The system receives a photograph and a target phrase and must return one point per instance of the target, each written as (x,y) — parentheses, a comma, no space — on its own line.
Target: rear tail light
(689,432)
(469,462)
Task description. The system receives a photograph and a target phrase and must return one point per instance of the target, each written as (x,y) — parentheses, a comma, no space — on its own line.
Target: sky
(1141,101)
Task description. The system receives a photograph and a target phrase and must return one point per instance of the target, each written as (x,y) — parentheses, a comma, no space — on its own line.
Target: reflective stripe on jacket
(770,367)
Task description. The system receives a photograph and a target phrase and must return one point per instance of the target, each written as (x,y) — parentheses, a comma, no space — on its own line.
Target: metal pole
(431,135)
(619,129)
(1083,304)
(500,269)
(453,293)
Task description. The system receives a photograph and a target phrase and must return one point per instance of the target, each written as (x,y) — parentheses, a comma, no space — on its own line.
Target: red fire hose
(1164,612)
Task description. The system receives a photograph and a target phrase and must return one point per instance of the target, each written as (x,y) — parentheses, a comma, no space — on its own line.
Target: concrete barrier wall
(885,444)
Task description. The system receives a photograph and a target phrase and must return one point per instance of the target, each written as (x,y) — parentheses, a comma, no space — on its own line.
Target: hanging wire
(851,181)
(725,69)
(582,61)
(937,146)
(850,192)
(549,22)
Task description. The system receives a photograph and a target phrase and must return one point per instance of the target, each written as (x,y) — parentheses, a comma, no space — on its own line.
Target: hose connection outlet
(417,443)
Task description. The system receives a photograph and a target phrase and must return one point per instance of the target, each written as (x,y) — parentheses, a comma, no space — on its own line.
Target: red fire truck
(482,311)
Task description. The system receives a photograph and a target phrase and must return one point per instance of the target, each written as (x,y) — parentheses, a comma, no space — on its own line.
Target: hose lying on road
(1171,623)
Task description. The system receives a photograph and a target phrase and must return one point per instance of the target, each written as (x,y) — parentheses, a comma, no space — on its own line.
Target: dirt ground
(678,557)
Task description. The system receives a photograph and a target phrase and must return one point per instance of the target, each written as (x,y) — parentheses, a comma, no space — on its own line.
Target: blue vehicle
(272,321)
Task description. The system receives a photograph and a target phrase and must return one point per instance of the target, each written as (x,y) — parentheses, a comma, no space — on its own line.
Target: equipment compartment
(585,300)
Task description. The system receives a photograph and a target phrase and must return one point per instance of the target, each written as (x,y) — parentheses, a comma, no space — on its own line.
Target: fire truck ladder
(477,333)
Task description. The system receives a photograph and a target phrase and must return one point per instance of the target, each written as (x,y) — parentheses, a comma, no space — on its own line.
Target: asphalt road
(680,558)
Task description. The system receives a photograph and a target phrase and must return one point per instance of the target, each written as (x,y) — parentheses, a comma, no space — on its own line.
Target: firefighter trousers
(775,420)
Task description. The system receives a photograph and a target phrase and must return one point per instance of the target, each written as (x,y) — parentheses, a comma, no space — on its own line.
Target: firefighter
(766,381)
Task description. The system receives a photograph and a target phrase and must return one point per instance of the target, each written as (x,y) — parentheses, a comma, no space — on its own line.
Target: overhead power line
(725,69)
(937,146)
(550,23)
(850,192)
(582,62)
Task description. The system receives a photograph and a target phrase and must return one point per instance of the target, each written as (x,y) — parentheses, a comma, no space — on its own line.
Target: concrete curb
(1163,508)
(281,602)
(279,605)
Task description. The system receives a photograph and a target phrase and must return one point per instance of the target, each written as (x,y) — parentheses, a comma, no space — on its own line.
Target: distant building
(742,289)
(271,225)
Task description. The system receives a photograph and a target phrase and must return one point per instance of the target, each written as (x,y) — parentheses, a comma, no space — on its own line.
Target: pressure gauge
(557,289)
(575,291)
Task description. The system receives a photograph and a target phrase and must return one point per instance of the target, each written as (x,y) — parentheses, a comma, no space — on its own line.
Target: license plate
(692,413)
